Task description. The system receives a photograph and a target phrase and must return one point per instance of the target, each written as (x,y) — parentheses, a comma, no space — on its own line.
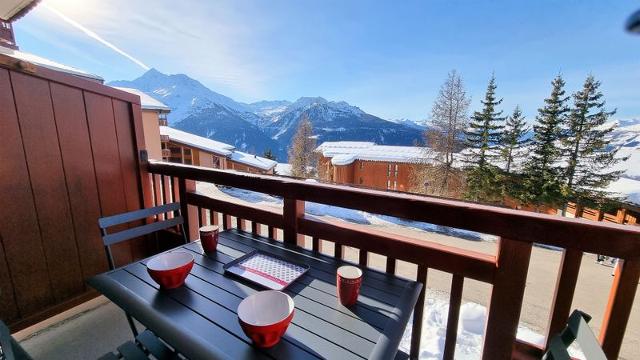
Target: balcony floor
(87,335)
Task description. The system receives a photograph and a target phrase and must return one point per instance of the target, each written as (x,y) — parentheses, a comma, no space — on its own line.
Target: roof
(346,152)
(196,141)
(253,160)
(12,10)
(50,64)
(146,101)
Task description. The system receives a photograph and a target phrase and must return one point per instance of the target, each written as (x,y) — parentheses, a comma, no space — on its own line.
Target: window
(361,165)
(396,170)
(187,151)
(395,185)
(388,184)
(389,170)
(216,162)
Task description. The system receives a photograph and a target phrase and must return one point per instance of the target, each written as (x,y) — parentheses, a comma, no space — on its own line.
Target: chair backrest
(134,232)
(577,330)
(9,347)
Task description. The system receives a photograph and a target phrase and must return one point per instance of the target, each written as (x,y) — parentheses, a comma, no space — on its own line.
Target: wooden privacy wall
(69,156)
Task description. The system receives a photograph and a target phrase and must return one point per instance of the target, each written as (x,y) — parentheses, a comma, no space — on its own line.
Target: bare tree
(444,138)
(302,156)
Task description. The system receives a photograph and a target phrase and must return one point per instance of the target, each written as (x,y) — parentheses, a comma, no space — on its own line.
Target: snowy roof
(146,101)
(199,142)
(346,152)
(628,188)
(253,160)
(50,64)
(283,169)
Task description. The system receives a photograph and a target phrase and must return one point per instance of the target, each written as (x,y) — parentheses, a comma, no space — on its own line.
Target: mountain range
(264,125)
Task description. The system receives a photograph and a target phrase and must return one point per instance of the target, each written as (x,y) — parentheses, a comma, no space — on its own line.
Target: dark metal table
(199,319)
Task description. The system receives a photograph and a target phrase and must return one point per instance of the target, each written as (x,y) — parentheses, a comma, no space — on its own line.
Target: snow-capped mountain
(626,136)
(265,124)
(184,95)
(335,121)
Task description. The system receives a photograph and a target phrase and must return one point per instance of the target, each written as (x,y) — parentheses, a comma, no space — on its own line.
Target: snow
(50,64)
(253,160)
(283,169)
(628,188)
(197,141)
(146,101)
(341,150)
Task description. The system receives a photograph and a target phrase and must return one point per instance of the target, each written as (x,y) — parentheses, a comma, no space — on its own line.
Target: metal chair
(577,330)
(9,347)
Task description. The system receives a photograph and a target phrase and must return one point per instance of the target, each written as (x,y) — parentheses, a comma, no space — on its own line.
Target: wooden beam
(563,295)
(518,225)
(506,299)
(455,299)
(616,316)
(418,314)
(292,211)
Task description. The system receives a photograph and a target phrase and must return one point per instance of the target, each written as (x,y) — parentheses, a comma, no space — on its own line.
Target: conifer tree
(482,140)
(589,154)
(269,154)
(543,175)
(513,140)
(302,156)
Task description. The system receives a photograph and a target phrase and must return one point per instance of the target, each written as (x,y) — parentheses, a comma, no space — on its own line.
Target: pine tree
(302,156)
(587,146)
(269,154)
(513,140)
(542,179)
(483,139)
(444,138)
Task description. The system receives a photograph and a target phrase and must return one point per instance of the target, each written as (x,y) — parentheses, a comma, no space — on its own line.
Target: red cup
(265,316)
(209,238)
(348,282)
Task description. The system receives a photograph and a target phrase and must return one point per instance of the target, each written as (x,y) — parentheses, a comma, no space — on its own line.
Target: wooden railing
(506,271)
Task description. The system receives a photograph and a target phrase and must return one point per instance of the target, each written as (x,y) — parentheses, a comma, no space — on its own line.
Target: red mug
(209,238)
(348,281)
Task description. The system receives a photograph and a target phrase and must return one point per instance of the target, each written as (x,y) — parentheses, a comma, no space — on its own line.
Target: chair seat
(146,346)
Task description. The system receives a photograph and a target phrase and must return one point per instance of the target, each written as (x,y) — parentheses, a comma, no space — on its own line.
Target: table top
(200,321)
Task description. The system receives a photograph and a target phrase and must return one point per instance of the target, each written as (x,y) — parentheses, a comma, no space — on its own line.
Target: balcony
(166,153)
(51,244)
(164,138)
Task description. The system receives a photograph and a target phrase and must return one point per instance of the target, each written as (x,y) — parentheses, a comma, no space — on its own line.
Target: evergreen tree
(513,140)
(543,174)
(302,156)
(587,146)
(269,154)
(483,139)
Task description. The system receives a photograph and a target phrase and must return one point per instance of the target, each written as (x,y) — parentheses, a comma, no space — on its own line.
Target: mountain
(626,136)
(184,95)
(335,121)
(268,124)
(223,124)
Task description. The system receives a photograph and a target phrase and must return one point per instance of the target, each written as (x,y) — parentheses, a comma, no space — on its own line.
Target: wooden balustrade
(506,271)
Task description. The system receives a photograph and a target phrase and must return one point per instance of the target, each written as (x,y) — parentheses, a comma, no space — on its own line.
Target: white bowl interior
(169,261)
(265,308)
(349,272)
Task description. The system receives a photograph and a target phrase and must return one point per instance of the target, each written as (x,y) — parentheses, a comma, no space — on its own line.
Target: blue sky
(387,57)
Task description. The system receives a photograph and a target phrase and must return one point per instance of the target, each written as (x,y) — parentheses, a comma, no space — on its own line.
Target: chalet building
(368,164)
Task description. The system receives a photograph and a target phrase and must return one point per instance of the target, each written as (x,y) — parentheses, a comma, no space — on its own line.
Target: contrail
(95,36)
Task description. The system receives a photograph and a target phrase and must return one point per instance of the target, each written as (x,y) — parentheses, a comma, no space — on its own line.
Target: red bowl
(265,316)
(170,269)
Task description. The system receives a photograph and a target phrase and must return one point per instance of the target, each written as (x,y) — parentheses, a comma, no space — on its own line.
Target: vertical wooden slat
(226,221)
(506,298)
(242,224)
(182,190)
(157,191)
(29,286)
(338,251)
(363,257)
(8,306)
(418,314)
(616,316)
(129,167)
(272,232)
(565,288)
(213,217)
(73,133)
(315,243)
(391,265)
(201,219)
(140,142)
(455,299)
(44,161)
(255,228)
(104,146)
(292,210)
